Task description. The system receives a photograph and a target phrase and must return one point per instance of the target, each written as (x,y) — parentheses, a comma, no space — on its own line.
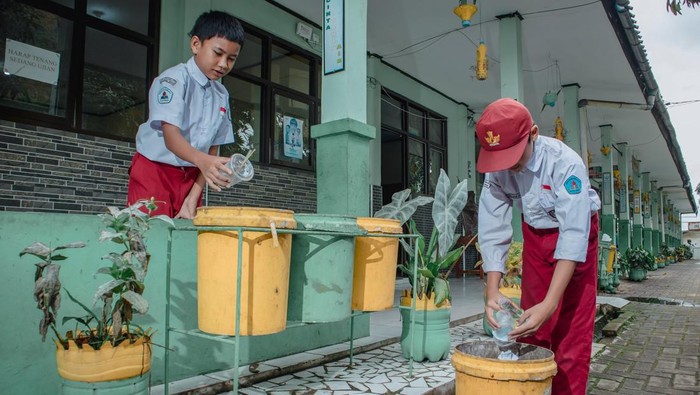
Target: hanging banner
(333,36)
(637,202)
(31,62)
(607,195)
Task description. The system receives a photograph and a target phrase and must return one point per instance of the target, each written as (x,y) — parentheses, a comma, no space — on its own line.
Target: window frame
(72,121)
(269,89)
(424,139)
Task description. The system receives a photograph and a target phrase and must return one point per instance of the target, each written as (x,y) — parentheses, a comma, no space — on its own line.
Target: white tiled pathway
(380,371)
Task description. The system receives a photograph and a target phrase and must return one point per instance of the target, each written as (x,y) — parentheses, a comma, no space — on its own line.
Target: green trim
(340,126)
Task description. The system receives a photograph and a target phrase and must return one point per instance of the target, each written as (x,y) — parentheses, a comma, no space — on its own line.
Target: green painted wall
(33,363)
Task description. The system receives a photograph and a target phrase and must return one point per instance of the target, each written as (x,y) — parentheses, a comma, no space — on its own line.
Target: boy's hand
(212,167)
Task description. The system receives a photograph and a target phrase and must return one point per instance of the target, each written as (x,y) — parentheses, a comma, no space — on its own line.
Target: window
(274,97)
(78,65)
(413,146)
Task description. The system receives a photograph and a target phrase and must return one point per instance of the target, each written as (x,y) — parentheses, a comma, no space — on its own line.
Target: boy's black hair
(218,24)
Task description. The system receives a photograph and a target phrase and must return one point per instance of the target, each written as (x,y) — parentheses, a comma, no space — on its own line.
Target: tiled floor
(380,371)
(467,301)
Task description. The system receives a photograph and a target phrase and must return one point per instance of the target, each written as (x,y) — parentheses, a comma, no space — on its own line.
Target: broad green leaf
(442,290)
(401,209)
(165,219)
(75,244)
(450,258)
(446,209)
(426,273)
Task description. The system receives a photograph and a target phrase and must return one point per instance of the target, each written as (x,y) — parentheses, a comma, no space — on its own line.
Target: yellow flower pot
(264,276)
(374,272)
(124,361)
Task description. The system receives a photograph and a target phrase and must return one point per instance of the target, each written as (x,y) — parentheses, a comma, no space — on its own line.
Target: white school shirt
(552,191)
(184,97)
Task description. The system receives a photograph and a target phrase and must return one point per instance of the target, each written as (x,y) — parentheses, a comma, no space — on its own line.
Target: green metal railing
(233,339)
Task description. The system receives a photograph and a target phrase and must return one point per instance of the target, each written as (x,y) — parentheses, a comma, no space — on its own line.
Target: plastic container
(374,274)
(479,371)
(320,279)
(264,271)
(242,170)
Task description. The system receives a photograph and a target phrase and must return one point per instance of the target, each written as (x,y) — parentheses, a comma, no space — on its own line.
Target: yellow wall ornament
(482,62)
(559,130)
(605,150)
(618,179)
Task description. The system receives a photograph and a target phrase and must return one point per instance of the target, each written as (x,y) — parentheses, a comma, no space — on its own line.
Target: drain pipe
(613,104)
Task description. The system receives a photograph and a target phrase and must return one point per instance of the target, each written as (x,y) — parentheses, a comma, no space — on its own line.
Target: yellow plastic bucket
(264,276)
(374,272)
(479,371)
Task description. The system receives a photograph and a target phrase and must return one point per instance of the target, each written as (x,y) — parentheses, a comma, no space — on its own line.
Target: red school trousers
(569,332)
(168,184)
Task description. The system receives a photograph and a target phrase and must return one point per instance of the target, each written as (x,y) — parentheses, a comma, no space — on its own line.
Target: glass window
(36,51)
(419,146)
(250,59)
(290,69)
(131,14)
(245,99)
(436,163)
(416,166)
(291,139)
(114,84)
(391,112)
(415,121)
(435,130)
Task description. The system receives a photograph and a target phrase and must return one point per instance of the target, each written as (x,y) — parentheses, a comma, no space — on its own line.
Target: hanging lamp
(465,12)
(482,62)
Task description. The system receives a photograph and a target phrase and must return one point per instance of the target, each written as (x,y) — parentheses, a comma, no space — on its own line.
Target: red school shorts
(168,184)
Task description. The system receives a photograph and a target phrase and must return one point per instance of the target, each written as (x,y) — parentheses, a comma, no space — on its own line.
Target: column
(573,136)
(510,41)
(623,165)
(646,213)
(655,213)
(637,209)
(343,137)
(607,185)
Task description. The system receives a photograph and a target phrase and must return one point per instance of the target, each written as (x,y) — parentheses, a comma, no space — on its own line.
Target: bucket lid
(257,217)
(327,222)
(380,225)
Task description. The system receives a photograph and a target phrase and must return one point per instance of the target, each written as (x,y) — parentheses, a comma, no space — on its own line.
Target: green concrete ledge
(343,126)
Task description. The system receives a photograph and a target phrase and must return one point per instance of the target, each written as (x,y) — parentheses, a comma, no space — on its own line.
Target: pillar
(343,137)
(607,185)
(646,213)
(637,209)
(624,241)
(573,136)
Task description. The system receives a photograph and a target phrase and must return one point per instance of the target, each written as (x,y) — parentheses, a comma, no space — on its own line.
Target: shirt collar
(536,159)
(196,73)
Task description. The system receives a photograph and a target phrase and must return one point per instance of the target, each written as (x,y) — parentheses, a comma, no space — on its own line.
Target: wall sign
(293,138)
(31,62)
(637,202)
(607,195)
(333,36)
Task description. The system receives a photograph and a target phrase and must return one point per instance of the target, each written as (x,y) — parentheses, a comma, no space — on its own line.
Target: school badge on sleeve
(573,185)
(165,95)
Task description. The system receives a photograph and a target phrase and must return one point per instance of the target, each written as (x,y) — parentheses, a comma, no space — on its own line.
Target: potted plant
(429,337)
(667,252)
(639,261)
(103,347)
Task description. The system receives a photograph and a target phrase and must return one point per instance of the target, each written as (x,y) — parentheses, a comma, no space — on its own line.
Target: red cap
(502,131)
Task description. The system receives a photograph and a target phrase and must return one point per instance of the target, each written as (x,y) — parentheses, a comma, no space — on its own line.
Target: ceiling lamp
(465,12)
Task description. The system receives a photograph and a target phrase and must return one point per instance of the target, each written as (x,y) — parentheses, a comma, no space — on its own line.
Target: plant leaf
(75,244)
(138,302)
(446,207)
(105,288)
(401,209)
(165,219)
(442,290)
(81,305)
(37,249)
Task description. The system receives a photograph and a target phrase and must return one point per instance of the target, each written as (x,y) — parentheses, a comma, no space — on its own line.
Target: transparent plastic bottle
(506,319)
